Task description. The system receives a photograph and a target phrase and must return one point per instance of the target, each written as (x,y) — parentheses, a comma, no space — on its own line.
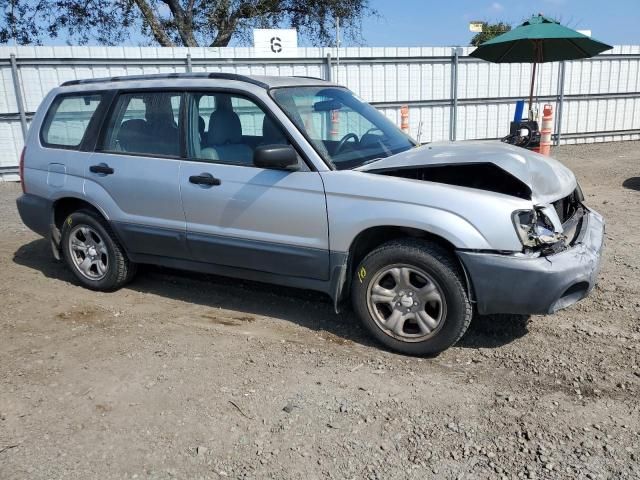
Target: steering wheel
(373,129)
(344,140)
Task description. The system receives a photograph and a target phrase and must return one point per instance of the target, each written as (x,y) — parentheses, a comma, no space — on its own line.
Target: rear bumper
(35,213)
(522,285)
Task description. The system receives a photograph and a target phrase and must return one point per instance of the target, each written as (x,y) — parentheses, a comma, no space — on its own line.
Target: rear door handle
(204,179)
(101,168)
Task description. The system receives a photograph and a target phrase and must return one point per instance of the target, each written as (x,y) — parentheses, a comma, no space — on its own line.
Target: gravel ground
(193,376)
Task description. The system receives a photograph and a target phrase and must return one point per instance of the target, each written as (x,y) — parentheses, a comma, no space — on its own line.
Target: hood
(547,179)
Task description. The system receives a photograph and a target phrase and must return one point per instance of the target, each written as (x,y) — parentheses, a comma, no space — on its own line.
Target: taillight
(22,170)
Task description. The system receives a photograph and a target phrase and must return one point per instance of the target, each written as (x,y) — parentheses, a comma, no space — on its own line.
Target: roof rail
(309,77)
(161,76)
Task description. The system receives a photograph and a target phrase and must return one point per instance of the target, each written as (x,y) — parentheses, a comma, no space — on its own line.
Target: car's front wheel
(410,295)
(93,253)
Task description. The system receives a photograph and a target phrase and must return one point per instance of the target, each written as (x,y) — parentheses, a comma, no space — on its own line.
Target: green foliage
(489,31)
(187,23)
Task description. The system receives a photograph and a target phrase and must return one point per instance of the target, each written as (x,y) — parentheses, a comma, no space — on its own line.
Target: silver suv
(298,182)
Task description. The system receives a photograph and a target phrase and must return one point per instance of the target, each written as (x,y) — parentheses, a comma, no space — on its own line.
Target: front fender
(467,218)
(447,225)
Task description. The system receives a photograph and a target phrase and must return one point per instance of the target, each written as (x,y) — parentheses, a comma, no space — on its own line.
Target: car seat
(224,139)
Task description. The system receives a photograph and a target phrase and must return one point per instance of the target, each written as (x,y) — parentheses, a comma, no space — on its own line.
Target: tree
(169,23)
(489,31)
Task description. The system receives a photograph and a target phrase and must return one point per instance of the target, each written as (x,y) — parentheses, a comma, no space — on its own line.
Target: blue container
(517,118)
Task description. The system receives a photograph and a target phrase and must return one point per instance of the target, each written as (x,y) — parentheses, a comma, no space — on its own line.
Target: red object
(545,131)
(21,170)
(404,118)
(335,121)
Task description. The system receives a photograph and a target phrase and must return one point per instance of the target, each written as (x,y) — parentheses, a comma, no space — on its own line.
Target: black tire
(443,270)
(119,269)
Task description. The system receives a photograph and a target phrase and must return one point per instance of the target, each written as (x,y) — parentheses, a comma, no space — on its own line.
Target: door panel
(266,220)
(135,172)
(142,199)
(240,216)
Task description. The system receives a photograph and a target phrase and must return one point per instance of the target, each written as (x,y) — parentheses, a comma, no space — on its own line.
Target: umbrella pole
(533,79)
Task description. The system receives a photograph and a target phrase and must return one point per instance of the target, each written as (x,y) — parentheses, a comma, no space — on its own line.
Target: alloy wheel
(406,303)
(88,252)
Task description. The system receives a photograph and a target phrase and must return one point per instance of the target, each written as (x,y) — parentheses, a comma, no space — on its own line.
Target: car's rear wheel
(410,295)
(93,253)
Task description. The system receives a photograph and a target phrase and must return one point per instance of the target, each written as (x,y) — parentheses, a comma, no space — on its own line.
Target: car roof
(262,81)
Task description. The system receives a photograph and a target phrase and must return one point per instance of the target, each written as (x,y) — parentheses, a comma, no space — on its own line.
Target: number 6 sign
(275,42)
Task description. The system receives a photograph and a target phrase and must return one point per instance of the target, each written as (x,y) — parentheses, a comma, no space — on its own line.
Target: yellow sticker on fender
(362,273)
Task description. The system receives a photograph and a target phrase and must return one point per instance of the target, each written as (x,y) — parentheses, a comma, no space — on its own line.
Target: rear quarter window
(67,120)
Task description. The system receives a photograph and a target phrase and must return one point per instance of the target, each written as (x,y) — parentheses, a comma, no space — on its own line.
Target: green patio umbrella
(539,40)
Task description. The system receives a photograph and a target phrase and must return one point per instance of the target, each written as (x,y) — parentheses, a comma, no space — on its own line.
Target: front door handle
(204,179)
(101,168)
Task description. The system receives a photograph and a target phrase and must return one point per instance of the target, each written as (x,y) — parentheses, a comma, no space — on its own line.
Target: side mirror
(280,157)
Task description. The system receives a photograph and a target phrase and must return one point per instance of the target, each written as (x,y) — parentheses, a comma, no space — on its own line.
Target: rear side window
(68,119)
(146,123)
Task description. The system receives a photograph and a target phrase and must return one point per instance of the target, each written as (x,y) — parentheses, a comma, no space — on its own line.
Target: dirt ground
(193,376)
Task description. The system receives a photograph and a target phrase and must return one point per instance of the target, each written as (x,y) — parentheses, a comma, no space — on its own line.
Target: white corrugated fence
(450,95)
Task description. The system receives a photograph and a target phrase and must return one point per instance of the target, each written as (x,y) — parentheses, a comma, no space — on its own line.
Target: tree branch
(184,22)
(156,28)
(227,22)
(190,5)
(225,32)
(248,9)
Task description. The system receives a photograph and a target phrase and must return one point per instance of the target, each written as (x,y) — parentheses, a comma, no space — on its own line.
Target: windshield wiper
(371,160)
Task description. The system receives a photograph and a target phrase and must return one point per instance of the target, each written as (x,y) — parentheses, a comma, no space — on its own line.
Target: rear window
(68,119)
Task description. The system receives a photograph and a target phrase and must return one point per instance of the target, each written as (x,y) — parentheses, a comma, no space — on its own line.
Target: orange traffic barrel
(545,131)
(404,118)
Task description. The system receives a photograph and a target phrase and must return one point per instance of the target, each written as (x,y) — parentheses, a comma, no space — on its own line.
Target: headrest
(223,102)
(136,124)
(158,109)
(132,133)
(271,133)
(224,128)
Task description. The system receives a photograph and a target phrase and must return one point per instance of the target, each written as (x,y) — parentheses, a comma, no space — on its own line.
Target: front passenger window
(226,128)
(145,123)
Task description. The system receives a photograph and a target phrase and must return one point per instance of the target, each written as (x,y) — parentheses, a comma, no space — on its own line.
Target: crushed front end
(548,229)
(558,266)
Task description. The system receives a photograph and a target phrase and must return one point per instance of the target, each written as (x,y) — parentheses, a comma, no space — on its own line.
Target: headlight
(534,228)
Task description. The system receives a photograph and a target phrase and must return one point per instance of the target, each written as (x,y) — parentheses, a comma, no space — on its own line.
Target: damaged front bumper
(537,285)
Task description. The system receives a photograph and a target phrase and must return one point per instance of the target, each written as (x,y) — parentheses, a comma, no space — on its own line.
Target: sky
(446,22)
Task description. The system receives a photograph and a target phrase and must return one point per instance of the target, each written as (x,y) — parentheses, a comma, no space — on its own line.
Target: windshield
(344,129)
